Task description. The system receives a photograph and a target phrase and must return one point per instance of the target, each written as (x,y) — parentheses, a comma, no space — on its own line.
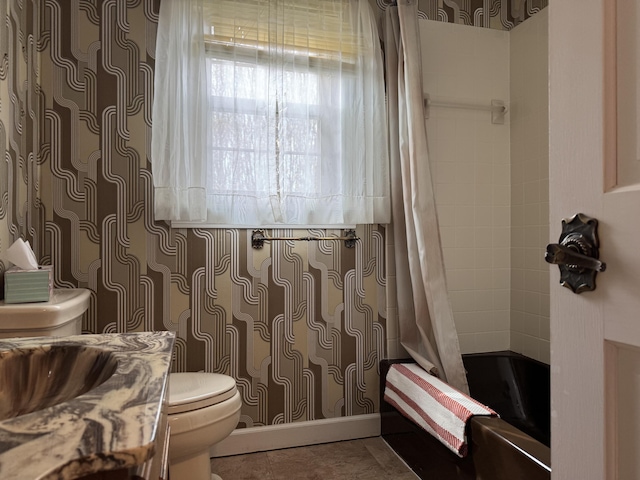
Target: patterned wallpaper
(7,39)
(301,326)
(498,14)
(19,127)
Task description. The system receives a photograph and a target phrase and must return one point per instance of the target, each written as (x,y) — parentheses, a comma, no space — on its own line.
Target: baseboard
(298,434)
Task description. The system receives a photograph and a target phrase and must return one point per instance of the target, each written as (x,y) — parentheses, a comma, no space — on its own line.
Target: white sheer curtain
(427,329)
(180,124)
(290,126)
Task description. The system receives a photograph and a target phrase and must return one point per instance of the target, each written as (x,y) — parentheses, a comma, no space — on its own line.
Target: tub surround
(116,426)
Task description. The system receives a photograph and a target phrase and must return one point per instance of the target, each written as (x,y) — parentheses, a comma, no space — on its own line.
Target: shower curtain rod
(497,107)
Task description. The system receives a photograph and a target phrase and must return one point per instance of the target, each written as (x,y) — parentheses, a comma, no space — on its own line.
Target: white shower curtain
(426,326)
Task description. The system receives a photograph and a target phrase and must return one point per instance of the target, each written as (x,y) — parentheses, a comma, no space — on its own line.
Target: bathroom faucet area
(100,410)
(73,405)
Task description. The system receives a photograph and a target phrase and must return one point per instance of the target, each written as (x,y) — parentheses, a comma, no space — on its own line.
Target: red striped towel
(430,403)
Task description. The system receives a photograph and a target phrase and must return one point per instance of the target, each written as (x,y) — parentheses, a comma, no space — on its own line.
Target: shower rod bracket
(497,108)
(258,237)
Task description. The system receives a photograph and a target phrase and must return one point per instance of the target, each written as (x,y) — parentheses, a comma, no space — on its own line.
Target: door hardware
(576,253)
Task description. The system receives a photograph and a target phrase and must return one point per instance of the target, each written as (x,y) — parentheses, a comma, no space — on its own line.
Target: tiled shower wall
(470,160)
(492,180)
(530,189)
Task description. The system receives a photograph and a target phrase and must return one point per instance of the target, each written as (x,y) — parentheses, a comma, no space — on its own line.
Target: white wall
(471,166)
(492,181)
(530,333)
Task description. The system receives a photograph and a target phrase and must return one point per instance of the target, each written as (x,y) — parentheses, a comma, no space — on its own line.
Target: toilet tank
(60,316)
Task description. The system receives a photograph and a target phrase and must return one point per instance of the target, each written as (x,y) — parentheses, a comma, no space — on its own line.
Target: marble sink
(36,378)
(82,405)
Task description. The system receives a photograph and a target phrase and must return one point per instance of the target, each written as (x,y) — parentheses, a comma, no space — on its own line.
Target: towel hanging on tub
(432,404)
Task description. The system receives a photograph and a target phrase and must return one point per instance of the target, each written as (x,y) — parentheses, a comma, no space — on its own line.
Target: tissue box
(26,286)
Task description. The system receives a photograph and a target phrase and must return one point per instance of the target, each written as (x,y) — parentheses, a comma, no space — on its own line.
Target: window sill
(206,225)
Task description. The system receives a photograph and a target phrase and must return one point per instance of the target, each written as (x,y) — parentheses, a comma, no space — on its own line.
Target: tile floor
(368,458)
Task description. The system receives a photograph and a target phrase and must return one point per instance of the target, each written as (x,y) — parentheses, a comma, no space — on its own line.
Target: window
(269,112)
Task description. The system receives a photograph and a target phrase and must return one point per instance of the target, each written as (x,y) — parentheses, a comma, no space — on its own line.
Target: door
(595,170)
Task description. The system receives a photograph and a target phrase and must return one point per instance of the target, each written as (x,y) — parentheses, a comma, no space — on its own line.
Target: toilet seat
(196,390)
(203,409)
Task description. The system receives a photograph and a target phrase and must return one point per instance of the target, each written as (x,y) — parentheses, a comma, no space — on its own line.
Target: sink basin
(32,379)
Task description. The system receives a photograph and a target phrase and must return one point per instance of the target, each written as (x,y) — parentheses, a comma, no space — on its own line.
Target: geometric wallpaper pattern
(497,14)
(19,124)
(300,325)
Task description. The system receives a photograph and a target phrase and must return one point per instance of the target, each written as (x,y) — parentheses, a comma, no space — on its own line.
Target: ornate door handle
(576,253)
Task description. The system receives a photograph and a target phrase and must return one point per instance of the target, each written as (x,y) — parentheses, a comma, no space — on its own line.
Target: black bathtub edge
(498,450)
(525,456)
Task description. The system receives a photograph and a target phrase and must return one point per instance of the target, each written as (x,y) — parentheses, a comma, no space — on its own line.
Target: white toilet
(60,316)
(204,408)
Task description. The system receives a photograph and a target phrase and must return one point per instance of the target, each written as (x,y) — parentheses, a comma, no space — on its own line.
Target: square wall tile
(465,322)
(467,343)
(493,341)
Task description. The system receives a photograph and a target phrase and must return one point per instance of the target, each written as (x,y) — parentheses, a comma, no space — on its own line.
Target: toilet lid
(191,391)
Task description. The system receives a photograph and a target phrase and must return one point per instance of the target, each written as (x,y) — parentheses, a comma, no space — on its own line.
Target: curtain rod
(258,237)
(497,108)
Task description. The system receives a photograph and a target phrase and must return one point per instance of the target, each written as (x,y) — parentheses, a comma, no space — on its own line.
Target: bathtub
(514,446)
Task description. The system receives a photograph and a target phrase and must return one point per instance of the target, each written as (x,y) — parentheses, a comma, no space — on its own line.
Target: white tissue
(21,255)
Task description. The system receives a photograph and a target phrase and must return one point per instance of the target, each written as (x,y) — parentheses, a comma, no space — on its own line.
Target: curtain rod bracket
(257,239)
(350,239)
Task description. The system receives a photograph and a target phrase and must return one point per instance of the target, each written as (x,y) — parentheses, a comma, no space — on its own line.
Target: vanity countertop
(114,425)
